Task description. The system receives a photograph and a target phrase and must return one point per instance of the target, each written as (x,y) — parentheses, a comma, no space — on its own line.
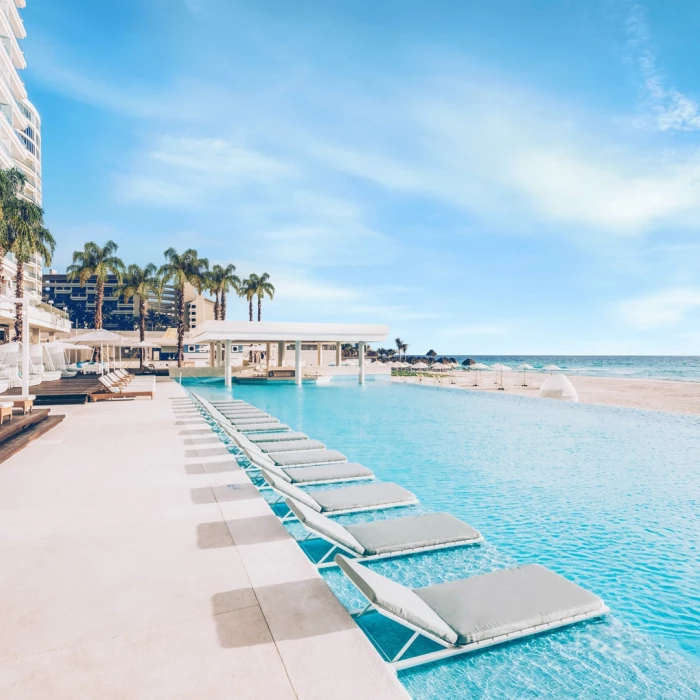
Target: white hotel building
(20,147)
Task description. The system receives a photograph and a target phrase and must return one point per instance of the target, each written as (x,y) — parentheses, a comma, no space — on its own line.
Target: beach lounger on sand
(347,499)
(473,613)
(386,538)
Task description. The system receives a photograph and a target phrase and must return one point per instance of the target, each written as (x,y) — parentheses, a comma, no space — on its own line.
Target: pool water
(608,497)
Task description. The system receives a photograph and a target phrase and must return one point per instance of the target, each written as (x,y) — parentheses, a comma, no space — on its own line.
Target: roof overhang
(272,332)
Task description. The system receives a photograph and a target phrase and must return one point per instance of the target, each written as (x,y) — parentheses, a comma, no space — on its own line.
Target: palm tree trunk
(142,326)
(217,308)
(250,309)
(99,301)
(2,264)
(180,326)
(223,306)
(19,308)
(259,308)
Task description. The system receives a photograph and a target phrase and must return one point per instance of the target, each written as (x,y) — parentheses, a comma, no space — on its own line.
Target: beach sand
(648,394)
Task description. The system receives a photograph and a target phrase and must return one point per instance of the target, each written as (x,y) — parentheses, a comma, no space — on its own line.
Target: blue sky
(515,176)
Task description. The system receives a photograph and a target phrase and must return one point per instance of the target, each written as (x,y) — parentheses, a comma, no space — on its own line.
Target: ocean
(685,369)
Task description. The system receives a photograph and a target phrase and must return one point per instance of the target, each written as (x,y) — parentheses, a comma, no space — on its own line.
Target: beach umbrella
(478,367)
(551,369)
(420,365)
(440,367)
(500,367)
(524,367)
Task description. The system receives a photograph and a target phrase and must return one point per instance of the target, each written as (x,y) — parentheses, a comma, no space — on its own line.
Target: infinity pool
(607,497)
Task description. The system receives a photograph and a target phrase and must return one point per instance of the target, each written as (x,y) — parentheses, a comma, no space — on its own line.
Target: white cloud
(181,171)
(672,110)
(664,308)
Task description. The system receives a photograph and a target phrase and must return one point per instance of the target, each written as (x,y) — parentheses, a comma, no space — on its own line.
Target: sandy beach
(647,394)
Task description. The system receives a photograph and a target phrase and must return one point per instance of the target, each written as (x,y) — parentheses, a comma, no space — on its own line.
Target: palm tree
(140,282)
(12,182)
(404,348)
(99,263)
(265,288)
(259,287)
(182,269)
(399,346)
(25,235)
(222,280)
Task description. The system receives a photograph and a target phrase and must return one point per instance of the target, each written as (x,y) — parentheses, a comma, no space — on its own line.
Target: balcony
(43,316)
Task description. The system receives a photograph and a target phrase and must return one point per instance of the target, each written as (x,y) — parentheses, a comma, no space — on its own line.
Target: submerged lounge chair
(347,499)
(317,475)
(386,538)
(473,613)
(277,437)
(291,446)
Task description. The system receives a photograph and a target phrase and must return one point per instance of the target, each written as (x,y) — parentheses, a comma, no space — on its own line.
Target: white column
(361,360)
(212,354)
(25,347)
(227,363)
(320,354)
(338,354)
(280,353)
(297,362)
(268,351)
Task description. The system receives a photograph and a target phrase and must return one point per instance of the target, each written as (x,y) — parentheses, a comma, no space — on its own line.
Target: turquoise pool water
(608,497)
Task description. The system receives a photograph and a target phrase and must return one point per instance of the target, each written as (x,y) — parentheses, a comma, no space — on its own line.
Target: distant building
(119,315)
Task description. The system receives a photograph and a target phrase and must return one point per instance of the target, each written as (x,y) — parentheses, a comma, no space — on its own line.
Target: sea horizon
(684,368)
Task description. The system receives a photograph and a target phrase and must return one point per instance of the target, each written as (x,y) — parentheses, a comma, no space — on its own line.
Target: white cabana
(558,387)
(100,338)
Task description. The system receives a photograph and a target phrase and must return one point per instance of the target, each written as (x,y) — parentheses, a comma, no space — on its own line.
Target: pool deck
(138,561)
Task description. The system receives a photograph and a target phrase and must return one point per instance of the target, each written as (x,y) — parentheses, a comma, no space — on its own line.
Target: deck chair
(383,539)
(474,613)
(339,501)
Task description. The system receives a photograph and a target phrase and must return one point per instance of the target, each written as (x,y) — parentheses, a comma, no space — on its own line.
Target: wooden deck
(74,390)
(21,430)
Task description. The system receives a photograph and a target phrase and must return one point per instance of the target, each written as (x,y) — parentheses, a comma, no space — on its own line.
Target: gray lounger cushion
(506,601)
(328,472)
(364,496)
(262,427)
(229,402)
(243,414)
(293,446)
(413,532)
(301,458)
(345,498)
(397,599)
(253,419)
(272,437)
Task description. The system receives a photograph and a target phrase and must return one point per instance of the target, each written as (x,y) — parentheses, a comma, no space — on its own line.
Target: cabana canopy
(98,337)
(558,387)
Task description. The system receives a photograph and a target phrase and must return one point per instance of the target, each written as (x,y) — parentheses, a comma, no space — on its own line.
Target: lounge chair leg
(326,555)
(405,647)
(362,612)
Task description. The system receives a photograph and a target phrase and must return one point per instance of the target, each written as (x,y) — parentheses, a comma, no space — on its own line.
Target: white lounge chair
(383,539)
(474,613)
(289,436)
(340,501)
